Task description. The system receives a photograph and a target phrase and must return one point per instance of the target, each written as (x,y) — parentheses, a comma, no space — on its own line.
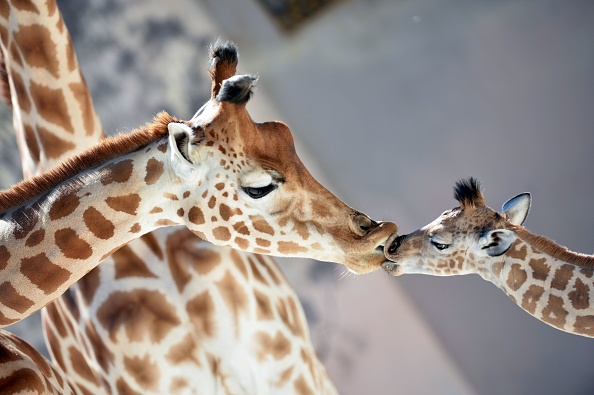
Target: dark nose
(395,244)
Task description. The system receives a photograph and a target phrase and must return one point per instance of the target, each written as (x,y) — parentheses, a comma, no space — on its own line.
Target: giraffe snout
(363,224)
(392,244)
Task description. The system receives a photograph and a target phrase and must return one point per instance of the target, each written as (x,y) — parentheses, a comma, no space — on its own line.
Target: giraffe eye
(439,246)
(259,192)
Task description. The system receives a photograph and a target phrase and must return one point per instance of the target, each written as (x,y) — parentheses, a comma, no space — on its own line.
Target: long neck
(53,111)
(51,241)
(548,281)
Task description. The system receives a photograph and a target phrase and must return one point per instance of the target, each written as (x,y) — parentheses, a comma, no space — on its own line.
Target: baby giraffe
(545,279)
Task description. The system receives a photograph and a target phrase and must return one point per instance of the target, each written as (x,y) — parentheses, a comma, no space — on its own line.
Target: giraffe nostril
(395,244)
(364,223)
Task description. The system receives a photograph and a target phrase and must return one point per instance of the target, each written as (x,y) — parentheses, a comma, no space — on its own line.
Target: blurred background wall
(390,102)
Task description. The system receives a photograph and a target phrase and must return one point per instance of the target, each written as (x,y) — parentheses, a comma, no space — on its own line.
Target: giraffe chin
(392,268)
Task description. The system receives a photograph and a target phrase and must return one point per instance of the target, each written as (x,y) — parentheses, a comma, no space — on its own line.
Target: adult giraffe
(269,304)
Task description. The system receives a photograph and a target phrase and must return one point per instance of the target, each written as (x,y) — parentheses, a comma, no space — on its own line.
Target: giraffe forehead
(469,220)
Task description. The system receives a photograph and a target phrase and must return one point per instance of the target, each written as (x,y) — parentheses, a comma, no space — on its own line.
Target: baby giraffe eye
(259,192)
(439,246)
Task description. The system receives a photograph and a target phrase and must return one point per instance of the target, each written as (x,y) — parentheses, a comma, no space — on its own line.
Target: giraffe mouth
(392,268)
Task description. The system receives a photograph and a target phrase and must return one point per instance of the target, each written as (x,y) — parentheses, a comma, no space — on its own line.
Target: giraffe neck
(548,281)
(51,104)
(52,241)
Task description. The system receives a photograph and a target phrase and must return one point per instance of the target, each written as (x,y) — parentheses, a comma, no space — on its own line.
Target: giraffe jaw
(392,268)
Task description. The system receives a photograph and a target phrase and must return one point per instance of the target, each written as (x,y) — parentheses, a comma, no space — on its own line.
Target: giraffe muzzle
(392,244)
(391,268)
(390,249)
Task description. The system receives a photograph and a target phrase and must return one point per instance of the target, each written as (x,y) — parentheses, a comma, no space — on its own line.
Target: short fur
(468,193)
(99,154)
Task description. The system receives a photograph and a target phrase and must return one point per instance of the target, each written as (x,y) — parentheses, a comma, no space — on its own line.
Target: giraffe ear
(180,136)
(516,209)
(496,242)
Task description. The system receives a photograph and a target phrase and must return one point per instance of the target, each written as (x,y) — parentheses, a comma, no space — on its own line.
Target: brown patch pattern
(263,306)
(221,233)
(118,172)
(35,42)
(34,239)
(276,347)
(4,257)
(196,216)
(516,277)
(554,313)
(154,171)
(201,310)
(233,294)
(71,245)
(562,277)
(51,105)
(144,371)
(142,314)
(53,146)
(584,325)
(42,272)
(261,225)
(290,248)
(98,224)
(540,269)
(63,206)
(12,299)
(184,351)
(79,363)
(127,264)
(580,296)
(126,204)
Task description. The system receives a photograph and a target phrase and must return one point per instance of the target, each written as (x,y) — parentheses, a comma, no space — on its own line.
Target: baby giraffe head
(460,240)
(255,193)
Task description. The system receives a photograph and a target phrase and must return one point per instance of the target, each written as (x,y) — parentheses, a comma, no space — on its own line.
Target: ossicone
(468,193)
(223,63)
(237,89)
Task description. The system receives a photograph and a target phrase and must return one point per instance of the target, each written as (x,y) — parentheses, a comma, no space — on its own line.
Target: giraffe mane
(105,150)
(553,249)
(468,192)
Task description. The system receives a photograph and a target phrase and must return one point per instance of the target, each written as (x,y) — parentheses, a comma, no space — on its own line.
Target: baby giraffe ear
(180,136)
(516,209)
(496,242)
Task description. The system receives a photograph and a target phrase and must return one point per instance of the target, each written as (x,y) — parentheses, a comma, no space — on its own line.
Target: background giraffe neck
(549,282)
(51,104)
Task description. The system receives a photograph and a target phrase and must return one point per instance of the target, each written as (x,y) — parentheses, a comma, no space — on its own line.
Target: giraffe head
(258,196)
(460,239)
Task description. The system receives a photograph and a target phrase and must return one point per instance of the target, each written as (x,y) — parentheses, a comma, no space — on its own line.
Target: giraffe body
(24,370)
(546,280)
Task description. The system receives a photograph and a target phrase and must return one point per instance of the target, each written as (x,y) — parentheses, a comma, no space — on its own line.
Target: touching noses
(392,245)
(372,231)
